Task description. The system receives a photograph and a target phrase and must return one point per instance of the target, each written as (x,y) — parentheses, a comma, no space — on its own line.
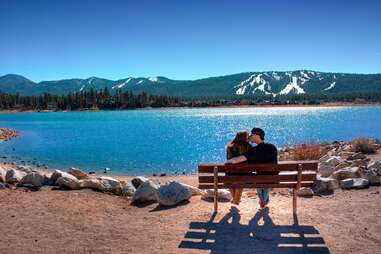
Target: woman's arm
(236,160)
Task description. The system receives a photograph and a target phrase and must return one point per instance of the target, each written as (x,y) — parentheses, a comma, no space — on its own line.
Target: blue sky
(186,39)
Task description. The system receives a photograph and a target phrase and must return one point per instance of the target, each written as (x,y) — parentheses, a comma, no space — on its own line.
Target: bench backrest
(293,174)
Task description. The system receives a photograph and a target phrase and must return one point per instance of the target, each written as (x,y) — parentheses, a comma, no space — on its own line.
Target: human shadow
(261,235)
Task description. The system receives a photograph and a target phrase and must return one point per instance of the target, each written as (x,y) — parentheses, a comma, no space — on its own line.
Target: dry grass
(363,145)
(308,151)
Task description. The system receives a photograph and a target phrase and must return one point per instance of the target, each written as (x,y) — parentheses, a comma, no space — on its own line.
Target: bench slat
(258,185)
(250,167)
(306,176)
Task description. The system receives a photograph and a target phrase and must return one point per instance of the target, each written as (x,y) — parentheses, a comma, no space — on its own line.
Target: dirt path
(89,222)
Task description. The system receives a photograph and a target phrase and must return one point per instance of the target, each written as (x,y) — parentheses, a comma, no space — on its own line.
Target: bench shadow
(261,235)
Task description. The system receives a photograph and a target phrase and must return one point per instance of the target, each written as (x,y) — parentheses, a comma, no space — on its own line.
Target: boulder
(3,173)
(146,192)
(222,195)
(193,190)
(305,192)
(324,158)
(34,179)
(341,165)
(345,173)
(354,183)
(376,166)
(14,176)
(26,169)
(324,185)
(333,161)
(172,193)
(356,156)
(359,163)
(127,189)
(57,174)
(139,180)
(325,169)
(103,183)
(68,181)
(111,184)
(372,176)
(78,173)
(345,154)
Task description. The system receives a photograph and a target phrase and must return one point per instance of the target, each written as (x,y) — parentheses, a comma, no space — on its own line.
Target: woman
(238,146)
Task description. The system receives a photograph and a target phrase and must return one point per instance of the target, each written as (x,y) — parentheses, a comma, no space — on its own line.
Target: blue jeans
(263,194)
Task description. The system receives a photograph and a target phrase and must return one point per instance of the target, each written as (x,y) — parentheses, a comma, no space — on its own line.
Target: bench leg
(294,201)
(215,173)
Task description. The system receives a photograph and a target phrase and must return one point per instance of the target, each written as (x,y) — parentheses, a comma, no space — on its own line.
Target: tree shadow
(261,235)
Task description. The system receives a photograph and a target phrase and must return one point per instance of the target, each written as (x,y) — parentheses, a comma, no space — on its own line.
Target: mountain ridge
(267,83)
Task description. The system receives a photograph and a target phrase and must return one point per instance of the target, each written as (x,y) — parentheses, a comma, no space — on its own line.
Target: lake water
(175,140)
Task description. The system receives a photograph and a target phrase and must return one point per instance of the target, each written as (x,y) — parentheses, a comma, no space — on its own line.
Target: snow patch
(292,86)
(122,84)
(153,79)
(82,87)
(332,85)
(140,81)
(252,81)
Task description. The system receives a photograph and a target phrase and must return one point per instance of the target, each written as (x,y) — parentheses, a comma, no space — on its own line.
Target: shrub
(363,145)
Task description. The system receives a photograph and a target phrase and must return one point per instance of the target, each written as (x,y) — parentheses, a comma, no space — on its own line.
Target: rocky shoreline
(7,134)
(341,165)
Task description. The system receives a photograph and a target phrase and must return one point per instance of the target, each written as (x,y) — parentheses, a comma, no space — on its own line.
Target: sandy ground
(56,221)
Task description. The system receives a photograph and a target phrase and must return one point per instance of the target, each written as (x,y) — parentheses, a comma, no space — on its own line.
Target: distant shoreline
(328,104)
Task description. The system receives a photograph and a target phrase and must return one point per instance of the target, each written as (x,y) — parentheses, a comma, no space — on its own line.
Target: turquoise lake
(175,140)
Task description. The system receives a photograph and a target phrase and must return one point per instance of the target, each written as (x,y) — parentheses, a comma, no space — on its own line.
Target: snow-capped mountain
(269,83)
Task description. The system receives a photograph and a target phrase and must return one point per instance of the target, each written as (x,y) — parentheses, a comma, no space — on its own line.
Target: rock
(139,180)
(345,154)
(34,179)
(193,190)
(324,158)
(324,185)
(172,193)
(333,161)
(146,192)
(26,169)
(354,183)
(68,181)
(78,173)
(305,192)
(345,173)
(14,176)
(3,173)
(128,189)
(356,156)
(376,166)
(372,176)
(103,183)
(111,185)
(341,165)
(325,170)
(57,174)
(347,148)
(222,195)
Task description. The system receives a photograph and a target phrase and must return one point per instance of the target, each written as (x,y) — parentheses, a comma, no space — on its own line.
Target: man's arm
(236,160)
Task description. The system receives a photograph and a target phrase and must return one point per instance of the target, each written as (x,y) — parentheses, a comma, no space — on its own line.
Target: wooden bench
(293,174)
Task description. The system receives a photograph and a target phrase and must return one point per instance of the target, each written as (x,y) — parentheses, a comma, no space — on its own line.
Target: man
(261,153)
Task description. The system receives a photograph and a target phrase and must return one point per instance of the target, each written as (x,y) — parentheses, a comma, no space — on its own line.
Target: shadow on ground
(261,235)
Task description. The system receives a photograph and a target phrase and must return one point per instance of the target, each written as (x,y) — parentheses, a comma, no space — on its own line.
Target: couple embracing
(240,150)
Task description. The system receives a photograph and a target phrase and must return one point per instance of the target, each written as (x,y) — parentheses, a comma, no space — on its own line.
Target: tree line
(86,100)
(104,100)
